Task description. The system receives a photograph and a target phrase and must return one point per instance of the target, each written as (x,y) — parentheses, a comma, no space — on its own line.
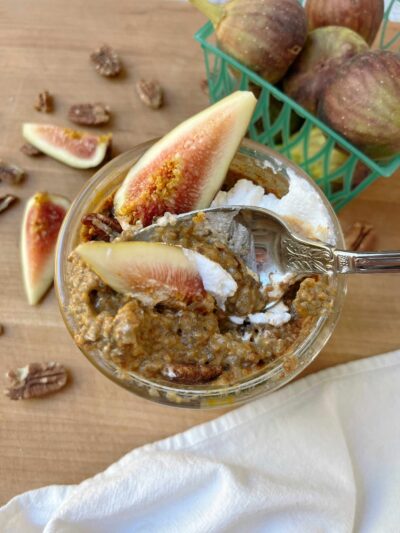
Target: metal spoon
(262,238)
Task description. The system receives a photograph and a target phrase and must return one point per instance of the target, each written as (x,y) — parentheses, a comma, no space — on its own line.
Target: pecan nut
(106,61)
(6,201)
(191,374)
(44,102)
(204,87)
(89,114)
(30,150)
(101,227)
(150,93)
(11,173)
(36,380)
(360,236)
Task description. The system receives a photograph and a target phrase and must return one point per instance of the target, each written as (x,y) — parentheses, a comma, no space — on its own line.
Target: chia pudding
(222,334)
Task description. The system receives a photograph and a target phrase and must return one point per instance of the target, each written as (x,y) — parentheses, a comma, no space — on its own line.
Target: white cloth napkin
(321,455)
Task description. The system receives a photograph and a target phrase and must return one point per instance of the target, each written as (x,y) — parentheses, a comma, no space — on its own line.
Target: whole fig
(326,49)
(264,35)
(363,103)
(362,16)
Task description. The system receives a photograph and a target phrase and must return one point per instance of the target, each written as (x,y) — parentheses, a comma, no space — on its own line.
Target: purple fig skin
(325,51)
(363,103)
(361,16)
(264,35)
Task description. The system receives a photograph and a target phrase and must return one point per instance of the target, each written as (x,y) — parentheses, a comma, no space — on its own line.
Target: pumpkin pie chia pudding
(184,309)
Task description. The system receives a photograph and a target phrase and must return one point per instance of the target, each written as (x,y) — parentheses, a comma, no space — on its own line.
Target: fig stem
(212,11)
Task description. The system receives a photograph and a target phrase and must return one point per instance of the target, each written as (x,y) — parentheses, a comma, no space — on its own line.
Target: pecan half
(30,150)
(101,227)
(11,173)
(44,102)
(360,236)
(191,374)
(106,61)
(89,114)
(204,86)
(36,380)
(150,93)
(6,201)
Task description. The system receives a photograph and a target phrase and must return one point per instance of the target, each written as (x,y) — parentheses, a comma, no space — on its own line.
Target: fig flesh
(264,35)
(325,51)
(76,149)
(185,169)
(149,271)
(363,103)
(361,16)
(42,220)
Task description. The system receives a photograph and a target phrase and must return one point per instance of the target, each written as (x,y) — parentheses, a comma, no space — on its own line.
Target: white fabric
(321,455)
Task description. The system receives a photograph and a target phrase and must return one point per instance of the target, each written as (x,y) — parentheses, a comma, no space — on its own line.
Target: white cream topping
(276,316)
(301,204)
(216,280)
(237,319)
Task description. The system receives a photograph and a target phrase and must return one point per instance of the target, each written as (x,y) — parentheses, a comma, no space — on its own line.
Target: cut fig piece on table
(151,272)
(77,149)
(185,169)
(42,220)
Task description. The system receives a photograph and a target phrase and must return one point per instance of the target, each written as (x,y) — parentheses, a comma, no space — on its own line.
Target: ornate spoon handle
(310,257)
(367,262)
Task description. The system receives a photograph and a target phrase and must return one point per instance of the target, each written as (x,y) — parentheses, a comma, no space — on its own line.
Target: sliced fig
(42,220)
(77,149)
(149,271)
(185,169)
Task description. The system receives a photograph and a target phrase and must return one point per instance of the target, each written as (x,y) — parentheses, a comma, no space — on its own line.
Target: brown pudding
(197,342)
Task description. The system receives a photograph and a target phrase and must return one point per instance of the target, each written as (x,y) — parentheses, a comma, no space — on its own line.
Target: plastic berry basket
(285,126)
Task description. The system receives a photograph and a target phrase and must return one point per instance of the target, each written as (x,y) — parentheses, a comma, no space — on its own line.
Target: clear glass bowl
(276,374)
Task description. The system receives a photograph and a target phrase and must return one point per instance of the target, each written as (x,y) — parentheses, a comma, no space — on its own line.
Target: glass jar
(262,161)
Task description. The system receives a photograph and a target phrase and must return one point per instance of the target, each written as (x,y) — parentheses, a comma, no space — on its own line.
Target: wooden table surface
(45,45)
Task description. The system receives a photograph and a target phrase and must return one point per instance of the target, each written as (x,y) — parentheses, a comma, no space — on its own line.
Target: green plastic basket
(342,174)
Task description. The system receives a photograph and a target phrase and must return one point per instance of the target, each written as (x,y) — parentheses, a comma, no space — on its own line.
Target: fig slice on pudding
(185,169)
(155,272)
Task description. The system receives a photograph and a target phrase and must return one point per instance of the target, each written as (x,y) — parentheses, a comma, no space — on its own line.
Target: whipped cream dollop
(276,316)
(301,206)
(216,280)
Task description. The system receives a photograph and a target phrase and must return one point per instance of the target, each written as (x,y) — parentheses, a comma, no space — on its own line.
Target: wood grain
(45,45)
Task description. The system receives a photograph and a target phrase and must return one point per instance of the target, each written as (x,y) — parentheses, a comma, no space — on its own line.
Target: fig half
(361,16)
(185,169)
(42,220)
(155,272)
(362,103)
(264,35)
(77,149)
(152,272)
(325,51)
